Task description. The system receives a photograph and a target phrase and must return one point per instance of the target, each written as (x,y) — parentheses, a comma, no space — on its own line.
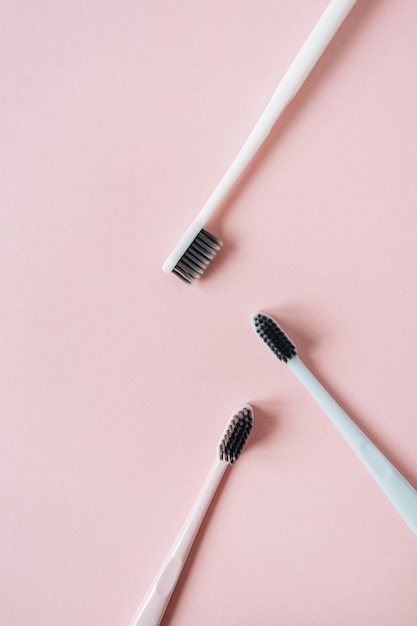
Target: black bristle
(236,435)
(274,337)
(197,257)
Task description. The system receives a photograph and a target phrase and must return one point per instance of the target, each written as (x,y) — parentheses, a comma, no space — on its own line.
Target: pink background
(116,380)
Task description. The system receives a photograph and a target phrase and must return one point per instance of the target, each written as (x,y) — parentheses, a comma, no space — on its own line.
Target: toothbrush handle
(153,605)
(307,57)
(397,489)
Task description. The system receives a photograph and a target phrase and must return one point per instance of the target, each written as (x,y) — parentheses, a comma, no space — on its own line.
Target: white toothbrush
(230,446)
(397,489)
(197,248)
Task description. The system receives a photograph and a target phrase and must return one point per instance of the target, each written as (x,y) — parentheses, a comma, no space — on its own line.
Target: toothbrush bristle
(236,434)
(198,256)
(273,336)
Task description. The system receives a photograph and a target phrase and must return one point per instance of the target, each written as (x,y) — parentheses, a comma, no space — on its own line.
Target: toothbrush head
(273,336)
(197,256)
(236,434)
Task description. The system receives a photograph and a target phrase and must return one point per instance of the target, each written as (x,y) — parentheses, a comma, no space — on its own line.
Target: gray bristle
(198,256)
(274,337)
(236,435)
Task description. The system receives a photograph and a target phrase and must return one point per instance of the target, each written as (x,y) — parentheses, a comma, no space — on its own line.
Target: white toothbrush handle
(153,605)
(397,489)
(307,57)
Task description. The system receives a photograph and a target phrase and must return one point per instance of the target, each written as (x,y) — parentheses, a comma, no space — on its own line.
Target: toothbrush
(400,493)
(198,247)
(153,605)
